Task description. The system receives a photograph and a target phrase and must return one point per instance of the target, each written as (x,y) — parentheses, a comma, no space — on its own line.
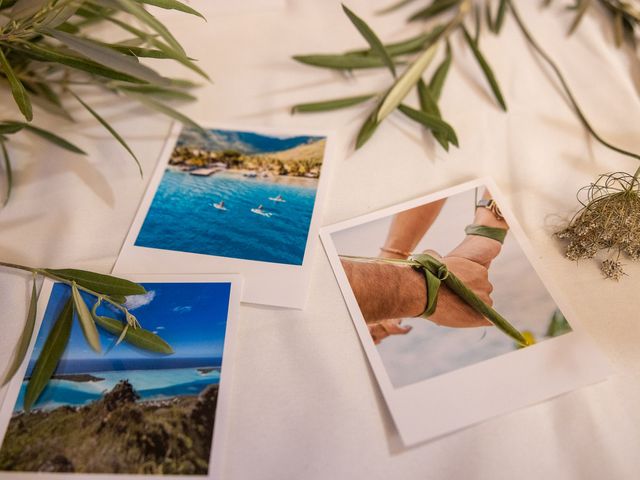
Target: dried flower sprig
(104,288)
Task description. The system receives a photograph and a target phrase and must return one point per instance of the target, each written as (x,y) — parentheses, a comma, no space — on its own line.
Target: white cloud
(137,301)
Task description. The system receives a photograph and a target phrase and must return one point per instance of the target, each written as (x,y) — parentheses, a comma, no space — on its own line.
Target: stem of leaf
(44,273)
(566,88)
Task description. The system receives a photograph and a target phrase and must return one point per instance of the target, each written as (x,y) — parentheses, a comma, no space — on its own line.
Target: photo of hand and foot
(444,285)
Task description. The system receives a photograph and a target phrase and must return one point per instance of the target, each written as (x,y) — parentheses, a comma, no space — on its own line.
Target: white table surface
(304,403)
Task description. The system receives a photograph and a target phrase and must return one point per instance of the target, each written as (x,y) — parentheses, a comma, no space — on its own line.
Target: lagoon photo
(236,194)
(127,410)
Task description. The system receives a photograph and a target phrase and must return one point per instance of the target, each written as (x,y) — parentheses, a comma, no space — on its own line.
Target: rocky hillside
(116,434)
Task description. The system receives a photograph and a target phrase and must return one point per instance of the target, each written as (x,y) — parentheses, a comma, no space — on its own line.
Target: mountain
(312,152)
(244,142)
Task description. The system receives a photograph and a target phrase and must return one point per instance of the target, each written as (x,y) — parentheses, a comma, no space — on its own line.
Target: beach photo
(452,313)
(235,200)
(127,410)
(236,194)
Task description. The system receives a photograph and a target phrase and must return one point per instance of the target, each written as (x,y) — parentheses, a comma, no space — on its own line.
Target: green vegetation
(116,434)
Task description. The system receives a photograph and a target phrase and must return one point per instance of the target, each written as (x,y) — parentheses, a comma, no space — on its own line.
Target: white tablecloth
(304,403)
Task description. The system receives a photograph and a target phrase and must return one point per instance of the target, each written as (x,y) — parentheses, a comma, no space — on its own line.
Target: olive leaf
(98,282)
(372,39)
(173,5)
(340,62)
(486,69)
(50,137)
(50,355)
(405,47)
(17,88)
(110,129)
(428,105)
(440,75)
(330,104)
(435,8)
(85,319)
(107,56)
(581,8)
(25,338)
(432,122)
(8,172)
(138,337)
(500,15)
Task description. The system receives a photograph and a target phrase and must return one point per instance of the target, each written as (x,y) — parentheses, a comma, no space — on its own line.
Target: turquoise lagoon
(182,217)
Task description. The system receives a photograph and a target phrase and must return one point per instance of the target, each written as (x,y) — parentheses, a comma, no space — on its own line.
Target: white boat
(260,211)
(277,198)
(219,206)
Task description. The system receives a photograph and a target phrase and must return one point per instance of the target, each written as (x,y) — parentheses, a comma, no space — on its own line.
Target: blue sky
(191,317)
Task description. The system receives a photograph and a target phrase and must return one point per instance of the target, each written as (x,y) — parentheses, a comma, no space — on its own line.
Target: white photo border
(291,289)
(221,425)
(440,405)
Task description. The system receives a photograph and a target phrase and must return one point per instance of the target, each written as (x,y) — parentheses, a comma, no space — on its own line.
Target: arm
(386,291)
(408,228)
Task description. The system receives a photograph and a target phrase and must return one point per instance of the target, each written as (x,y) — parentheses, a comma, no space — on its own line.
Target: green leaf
(85,319)
(49,356)
(170,52)
(340,62)
(394,6)
(137,51)
(500,15)
(17,89)
(7,128)
(440,75)
(431,122)
(51,137)
(98,282)
(25,338)
(486,69)
(558,325)
(138,337)
(581,9)
(145,17)
(405,83)
(330,104)
(8,173)
(43,53)
(618,28)
(23,9)
(372,39)
(118,298)
(368,128)
(106,56)
(173,5)
(170,93)
(435,8)
(408,46)
(115,134)
(429,105)
(164,109)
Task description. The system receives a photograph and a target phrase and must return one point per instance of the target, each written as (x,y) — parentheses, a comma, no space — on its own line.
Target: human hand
(451,310)
(384,328)
(481,250)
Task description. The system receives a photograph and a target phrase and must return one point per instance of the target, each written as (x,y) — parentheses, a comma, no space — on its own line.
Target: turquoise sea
(150,385)
(182,217)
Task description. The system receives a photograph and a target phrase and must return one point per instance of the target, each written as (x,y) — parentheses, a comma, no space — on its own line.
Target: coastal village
(301,161)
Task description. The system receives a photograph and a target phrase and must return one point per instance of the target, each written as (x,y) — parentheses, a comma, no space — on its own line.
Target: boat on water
(250,174)
(277,198)
(260,211)
(219,205)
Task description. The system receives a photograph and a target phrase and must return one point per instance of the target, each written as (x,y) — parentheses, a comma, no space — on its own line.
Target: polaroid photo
(235,201)
(436,377)
(128,412)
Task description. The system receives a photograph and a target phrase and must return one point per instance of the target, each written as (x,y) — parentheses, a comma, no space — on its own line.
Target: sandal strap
(494,233)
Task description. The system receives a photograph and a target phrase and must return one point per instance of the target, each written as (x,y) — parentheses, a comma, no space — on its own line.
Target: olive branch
(597,226)
(104,288)
(46,54)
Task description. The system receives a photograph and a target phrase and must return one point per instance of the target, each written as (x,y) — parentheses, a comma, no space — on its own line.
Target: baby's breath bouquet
(610,217)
